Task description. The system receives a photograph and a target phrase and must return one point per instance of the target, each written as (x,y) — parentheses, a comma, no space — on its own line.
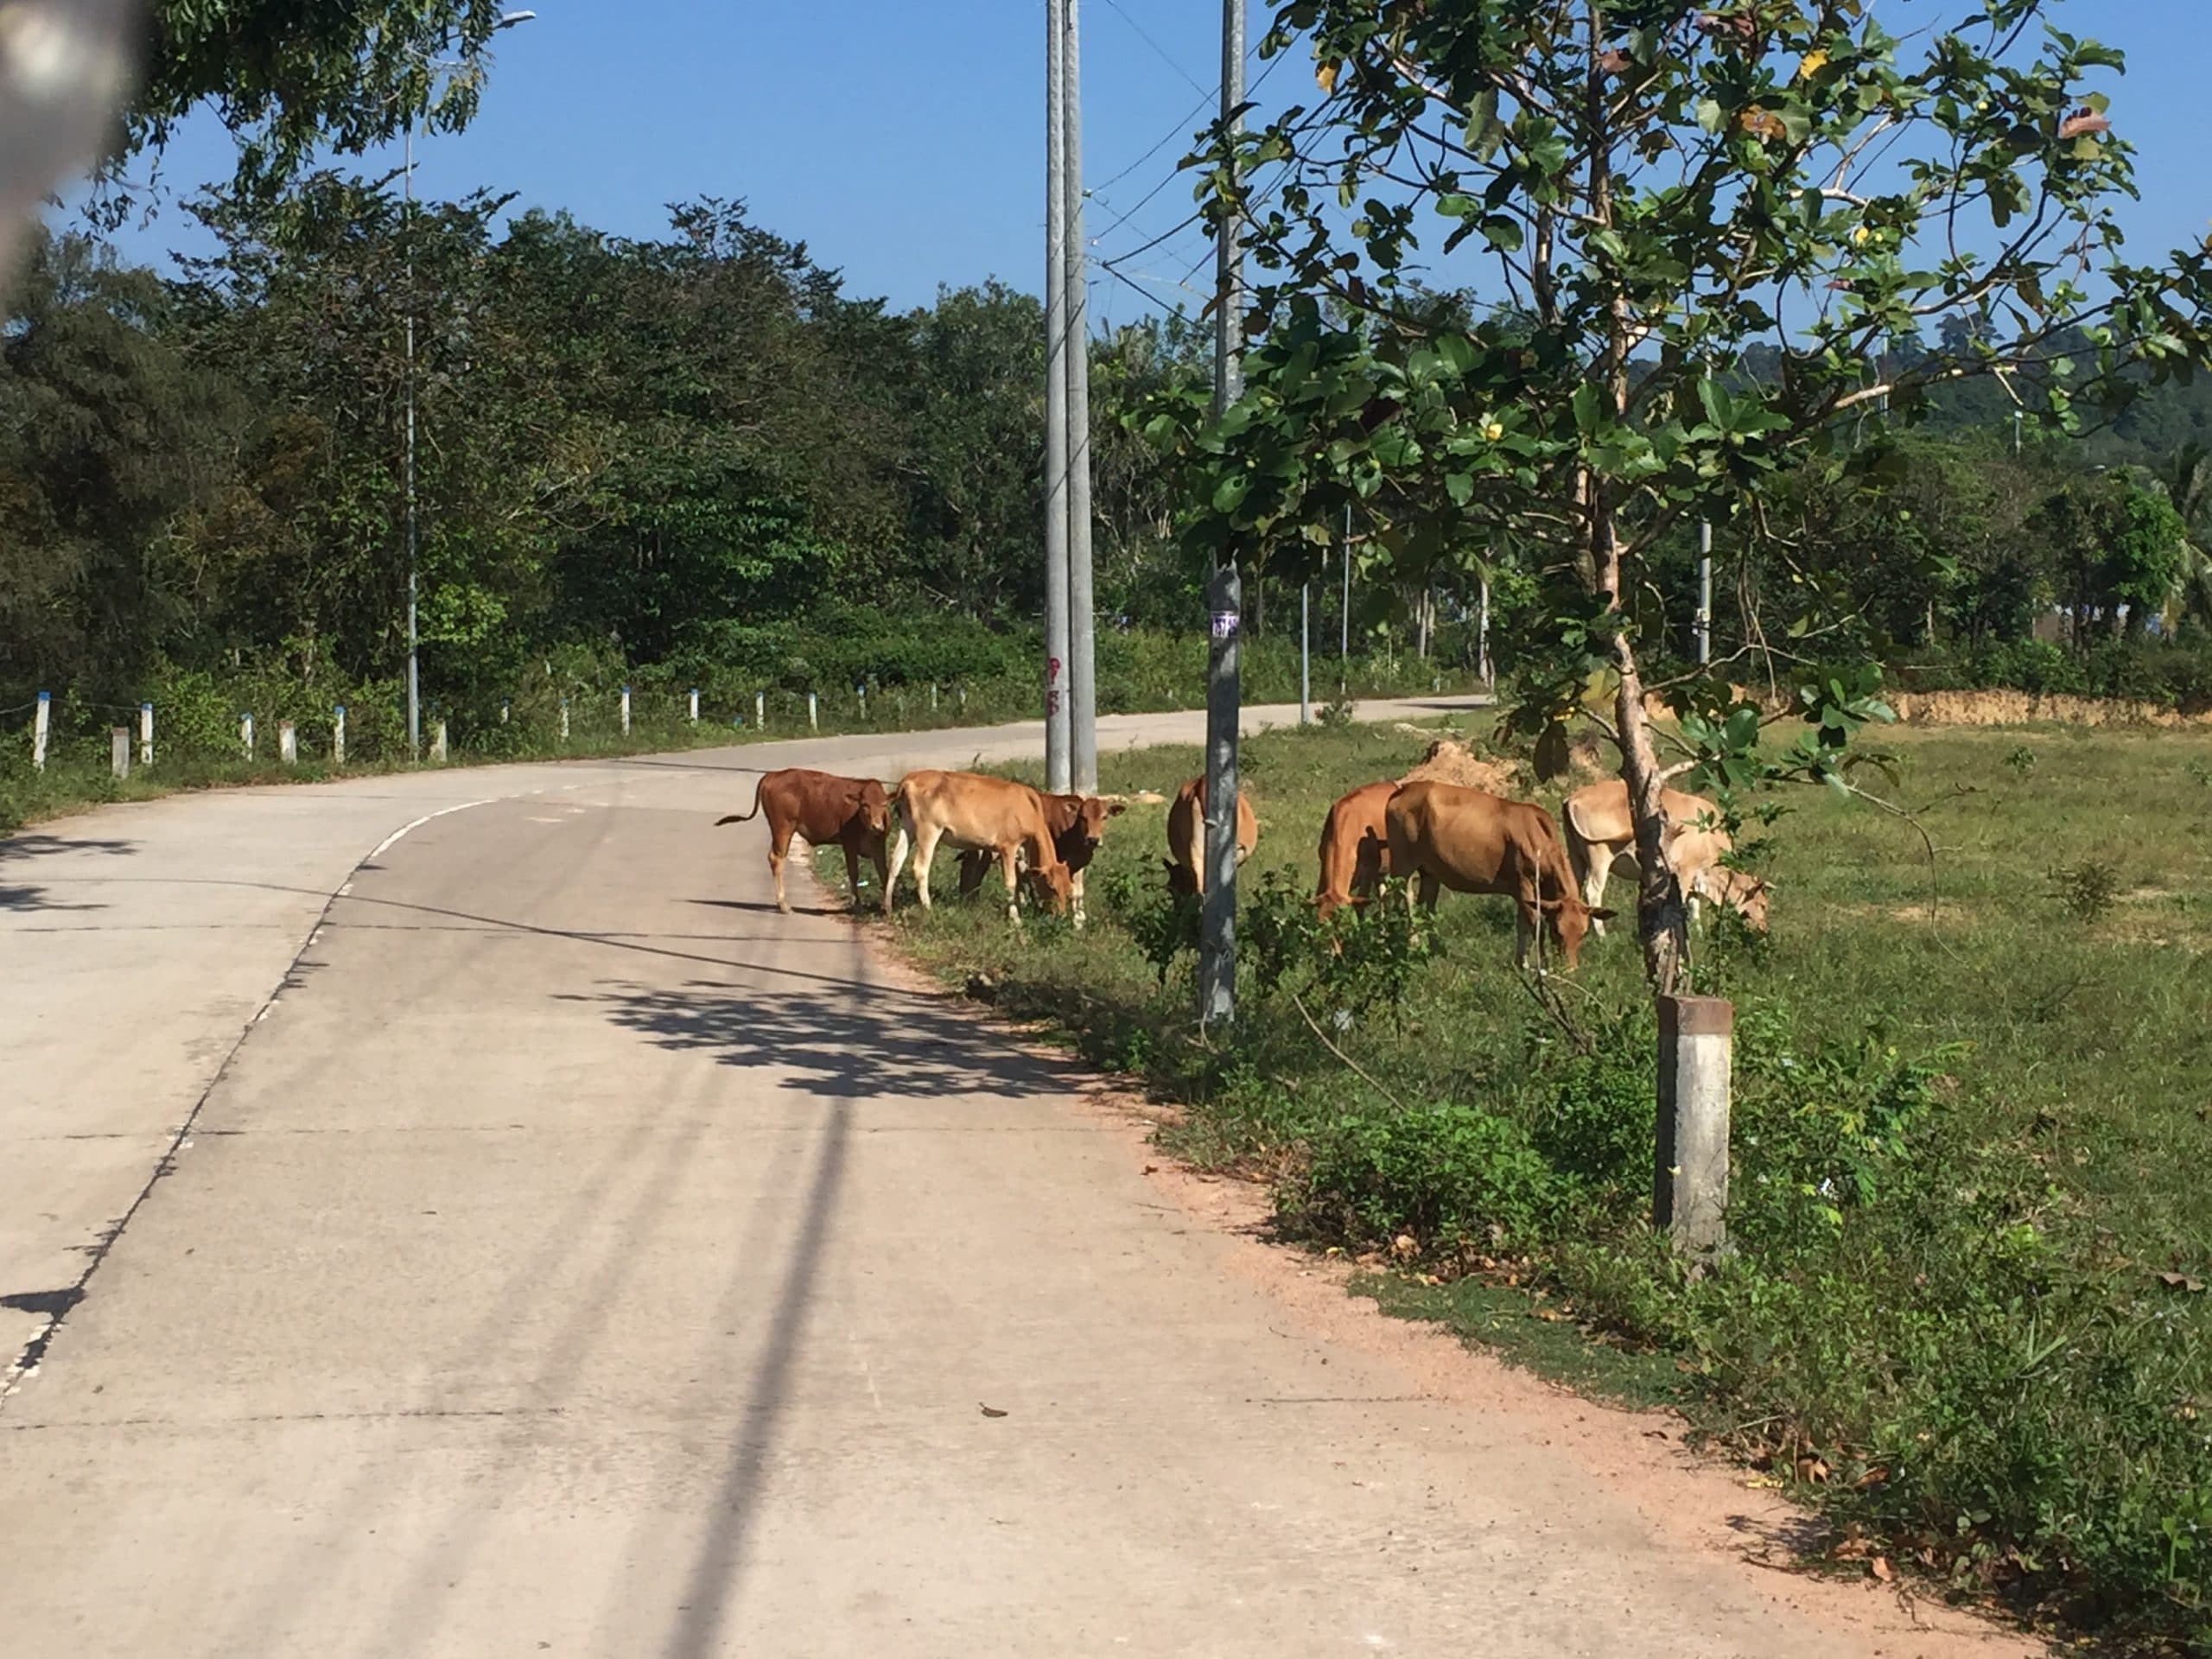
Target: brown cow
(971,810)
(822,810)
(1078,824)
(1601,843)
(1447,837)
(1187,841)
(1354,848)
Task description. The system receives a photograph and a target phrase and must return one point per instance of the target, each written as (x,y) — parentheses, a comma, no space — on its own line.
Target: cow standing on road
(822,810)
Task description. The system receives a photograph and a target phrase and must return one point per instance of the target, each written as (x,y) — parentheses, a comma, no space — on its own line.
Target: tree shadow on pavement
(22,897)
(848,1046)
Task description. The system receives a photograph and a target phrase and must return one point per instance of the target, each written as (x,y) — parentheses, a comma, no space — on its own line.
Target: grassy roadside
(1963,1316)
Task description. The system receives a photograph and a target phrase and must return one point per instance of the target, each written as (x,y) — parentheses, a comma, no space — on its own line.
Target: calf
(1601,843)
(1354,848)
(971,810)
(1463,839)
(1078,824)
(1186,841)
(822,810)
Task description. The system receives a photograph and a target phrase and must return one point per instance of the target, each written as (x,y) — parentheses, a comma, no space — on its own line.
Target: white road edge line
(387,843)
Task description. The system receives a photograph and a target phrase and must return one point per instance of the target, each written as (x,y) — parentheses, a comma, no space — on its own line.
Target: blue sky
(901,139)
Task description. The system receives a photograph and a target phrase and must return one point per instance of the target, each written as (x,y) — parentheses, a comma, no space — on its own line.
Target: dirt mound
(2025,707)
(1450,761)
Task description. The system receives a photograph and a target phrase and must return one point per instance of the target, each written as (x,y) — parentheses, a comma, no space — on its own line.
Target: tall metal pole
(1056,399)
(1081,679)
(1225,593)
(1705,590)
(1344,616)
(1306,655)
(414,668)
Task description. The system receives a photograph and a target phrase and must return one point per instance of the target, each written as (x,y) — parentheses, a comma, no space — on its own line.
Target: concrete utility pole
(1225,593)
(1056,769)
(1705,590)
(1082,677)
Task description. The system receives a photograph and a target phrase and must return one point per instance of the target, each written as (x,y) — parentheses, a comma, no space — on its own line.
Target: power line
(1165,56)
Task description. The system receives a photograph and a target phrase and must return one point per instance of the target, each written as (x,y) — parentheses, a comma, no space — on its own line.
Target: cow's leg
(1592,865)
(974,864)
(1009,860)
(900,844)
(779,848)
(1528,917)
(925,855)
(1431,890)
(1076,894)
(853,873)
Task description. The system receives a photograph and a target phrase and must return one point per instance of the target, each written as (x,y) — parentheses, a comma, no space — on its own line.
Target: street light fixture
(414,634)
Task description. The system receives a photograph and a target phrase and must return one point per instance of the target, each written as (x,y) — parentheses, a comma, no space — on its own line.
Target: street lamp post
(407,468)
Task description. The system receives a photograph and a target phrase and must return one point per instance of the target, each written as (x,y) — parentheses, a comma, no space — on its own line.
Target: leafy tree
(1654,188)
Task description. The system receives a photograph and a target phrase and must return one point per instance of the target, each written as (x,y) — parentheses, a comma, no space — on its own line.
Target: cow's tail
(745,817)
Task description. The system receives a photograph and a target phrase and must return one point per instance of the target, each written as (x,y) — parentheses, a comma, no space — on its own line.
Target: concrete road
(511,1236)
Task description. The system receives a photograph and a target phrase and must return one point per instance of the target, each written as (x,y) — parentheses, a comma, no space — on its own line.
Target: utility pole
(1226,593)
(1056,770)
(1081,677)
(407,468)
(1705,590)
(1344,616)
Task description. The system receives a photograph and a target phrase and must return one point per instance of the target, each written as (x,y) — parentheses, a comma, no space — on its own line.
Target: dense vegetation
(1964,1311)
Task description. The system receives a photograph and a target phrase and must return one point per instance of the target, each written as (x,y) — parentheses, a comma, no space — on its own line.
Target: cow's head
(872,808)
(1570,919)
(1054,885)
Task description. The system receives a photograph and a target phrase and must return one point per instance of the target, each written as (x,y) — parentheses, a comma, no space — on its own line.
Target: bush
(1458,1179)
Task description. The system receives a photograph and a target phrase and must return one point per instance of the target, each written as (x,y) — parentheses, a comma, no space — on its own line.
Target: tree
(289,79)
(1652,190)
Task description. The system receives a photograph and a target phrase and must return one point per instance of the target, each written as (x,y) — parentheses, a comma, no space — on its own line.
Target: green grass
(1968,1144)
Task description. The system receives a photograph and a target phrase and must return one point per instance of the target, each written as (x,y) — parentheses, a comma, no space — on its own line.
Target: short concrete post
(963,698)
(860,693)
(118,745)
(933,696)
(1689,1192)
(145,734)
(813,713)
(625,711)
(438,741)
(759,711)
(564,720)
(338,735)
(42,725)
(695,705)
(287,742)
(506,708)
(246,734)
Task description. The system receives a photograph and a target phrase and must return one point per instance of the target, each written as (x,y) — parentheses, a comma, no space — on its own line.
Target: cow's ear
(1114,809)
(1603,915)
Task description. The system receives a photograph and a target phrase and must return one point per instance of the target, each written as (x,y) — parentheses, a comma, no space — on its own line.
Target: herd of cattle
(1435,834)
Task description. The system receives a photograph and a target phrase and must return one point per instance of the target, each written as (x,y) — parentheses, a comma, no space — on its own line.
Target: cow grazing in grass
(1442,836)
(823,811)
(1078,824)
(1354,848)
(996,814)
(1187,839)
(1601,843)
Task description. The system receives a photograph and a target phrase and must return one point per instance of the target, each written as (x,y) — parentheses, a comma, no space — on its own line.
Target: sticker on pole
(1224,624)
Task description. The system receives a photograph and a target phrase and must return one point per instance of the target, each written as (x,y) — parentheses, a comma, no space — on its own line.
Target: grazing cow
(1446,837)
(1354,848)
(822,810)
(971,810)
(1601,843)
(1186,840)
(1078,824)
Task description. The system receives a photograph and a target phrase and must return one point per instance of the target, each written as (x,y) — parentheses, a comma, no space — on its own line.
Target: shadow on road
(22,897)
(844,1047)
